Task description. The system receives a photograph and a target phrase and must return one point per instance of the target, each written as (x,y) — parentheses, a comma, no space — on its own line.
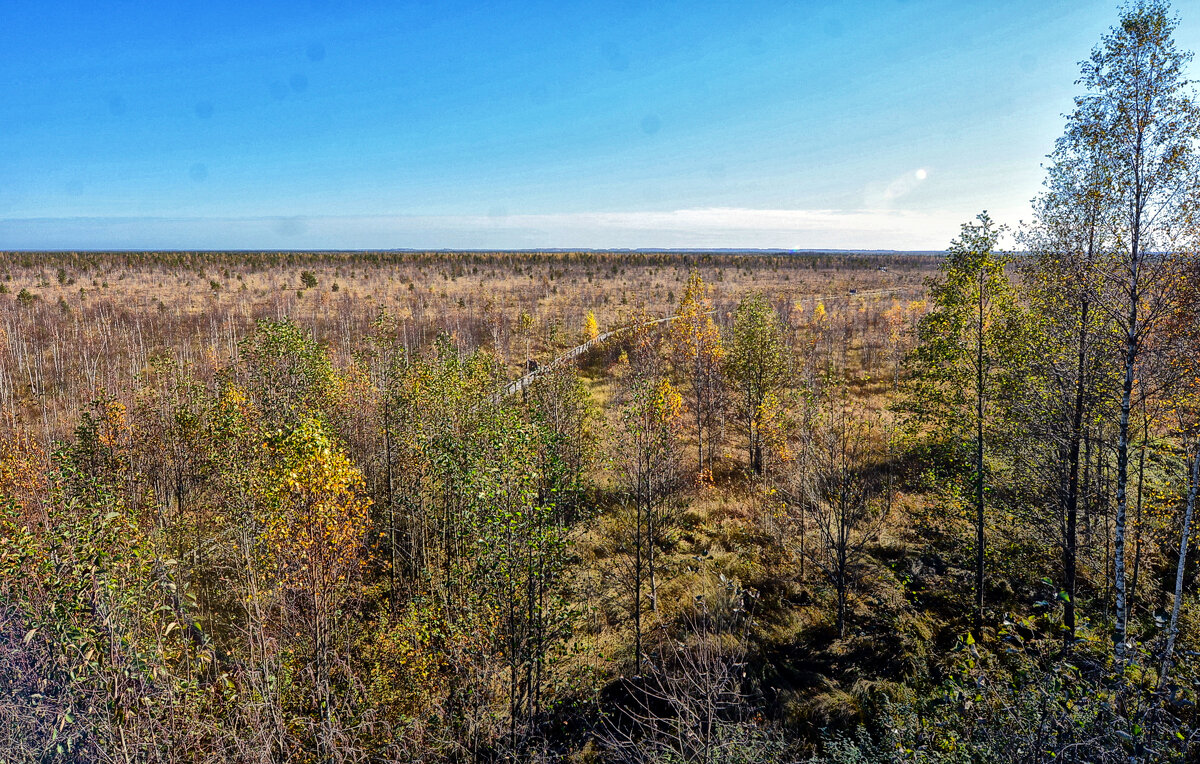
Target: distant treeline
(653,258)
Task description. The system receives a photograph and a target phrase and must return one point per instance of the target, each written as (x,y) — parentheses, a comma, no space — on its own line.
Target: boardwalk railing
(523,382)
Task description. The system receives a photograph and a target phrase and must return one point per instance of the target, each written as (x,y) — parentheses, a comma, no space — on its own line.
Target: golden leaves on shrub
(317,514)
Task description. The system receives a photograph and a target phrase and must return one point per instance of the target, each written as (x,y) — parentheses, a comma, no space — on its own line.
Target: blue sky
(632,124)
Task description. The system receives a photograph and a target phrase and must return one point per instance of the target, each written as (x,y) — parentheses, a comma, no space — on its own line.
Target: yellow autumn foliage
(113,424)
(696,334)
(770,421)
(22,467)
(317,514)
(668,403)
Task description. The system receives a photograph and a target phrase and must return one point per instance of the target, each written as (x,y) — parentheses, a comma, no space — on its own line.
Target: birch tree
(1140,111)
(698,357)
(757,367)
(837,493)
(965,343)
(1067,240)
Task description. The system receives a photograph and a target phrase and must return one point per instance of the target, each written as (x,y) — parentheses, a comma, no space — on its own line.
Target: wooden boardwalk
(519,385)
(523,382)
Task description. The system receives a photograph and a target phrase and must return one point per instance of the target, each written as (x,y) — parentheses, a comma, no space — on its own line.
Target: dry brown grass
(95,320)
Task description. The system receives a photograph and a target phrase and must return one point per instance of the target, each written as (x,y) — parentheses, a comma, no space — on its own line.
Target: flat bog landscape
(629,384)
(91,322)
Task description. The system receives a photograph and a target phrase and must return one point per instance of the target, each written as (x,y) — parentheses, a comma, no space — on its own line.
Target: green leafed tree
(967,344)
(757,367)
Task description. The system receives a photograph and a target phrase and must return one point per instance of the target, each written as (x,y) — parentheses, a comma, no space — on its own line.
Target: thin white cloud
(723,227)
(882,195)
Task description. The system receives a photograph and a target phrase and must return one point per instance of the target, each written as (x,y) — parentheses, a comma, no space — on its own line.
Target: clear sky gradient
(248,125)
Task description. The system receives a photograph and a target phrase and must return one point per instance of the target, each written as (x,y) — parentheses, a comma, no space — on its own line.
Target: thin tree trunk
(1137,514)
(979,541)
(1184,540)
(1132,346)
(750,434)
(1122,616)
(650,553)
(637,591)
(391,489)
(699,398)
(1070,542)
(843,521)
